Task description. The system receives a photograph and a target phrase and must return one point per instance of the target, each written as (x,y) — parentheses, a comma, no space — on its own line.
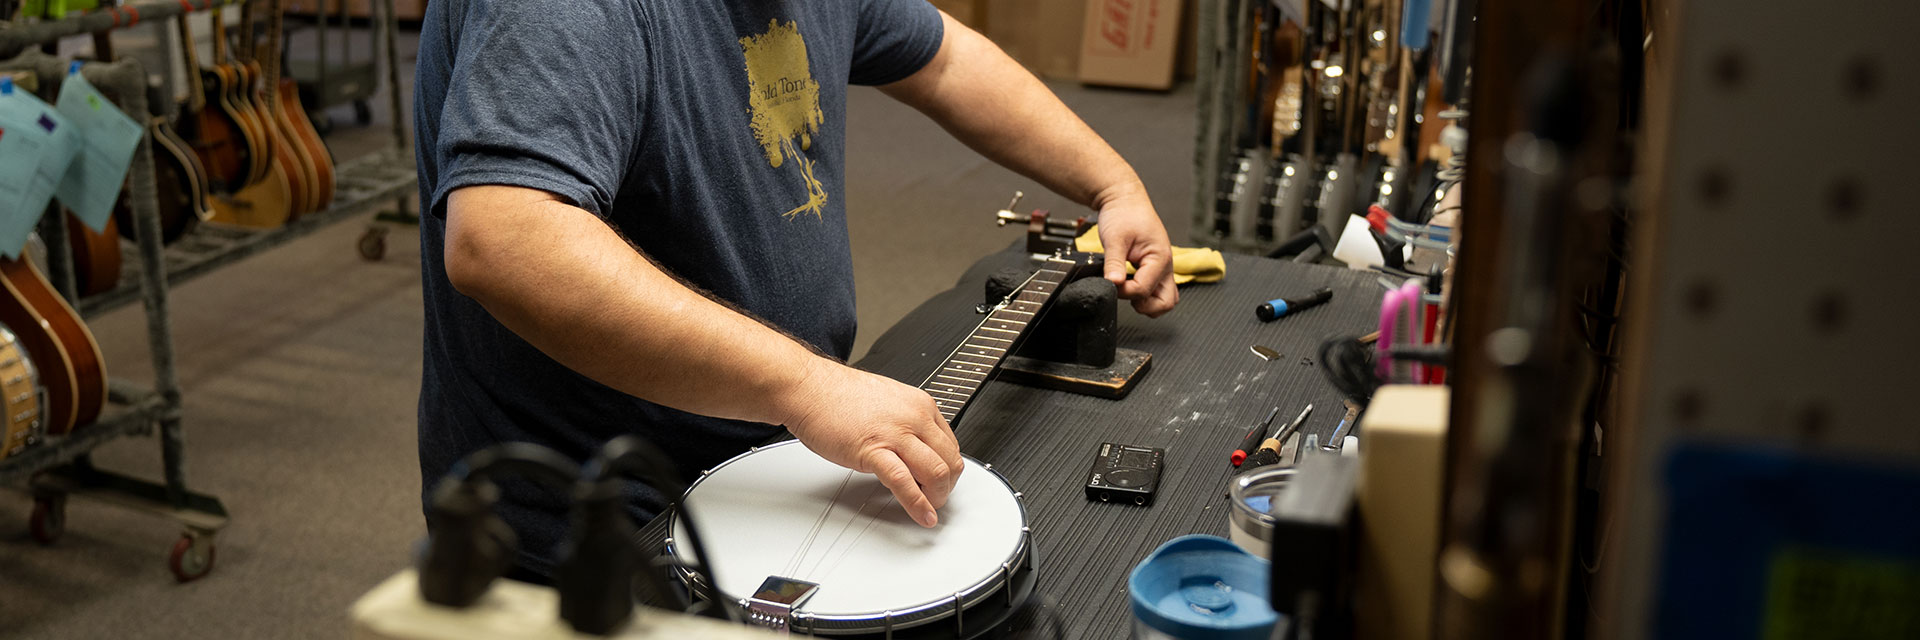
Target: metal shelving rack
(62,466)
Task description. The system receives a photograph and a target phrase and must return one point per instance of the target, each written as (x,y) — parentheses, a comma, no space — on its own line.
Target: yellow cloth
(1190,264)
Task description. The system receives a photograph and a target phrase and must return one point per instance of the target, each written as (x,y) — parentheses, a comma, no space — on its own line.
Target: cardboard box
(1044,35)
(1131,43)
(972,13)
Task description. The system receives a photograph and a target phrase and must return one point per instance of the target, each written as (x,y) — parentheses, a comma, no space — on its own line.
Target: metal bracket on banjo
(772,605)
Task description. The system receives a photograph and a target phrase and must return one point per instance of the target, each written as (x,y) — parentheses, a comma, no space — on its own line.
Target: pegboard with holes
(1772,310)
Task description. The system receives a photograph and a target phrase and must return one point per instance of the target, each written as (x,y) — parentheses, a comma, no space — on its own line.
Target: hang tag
(107,139)
(37,145)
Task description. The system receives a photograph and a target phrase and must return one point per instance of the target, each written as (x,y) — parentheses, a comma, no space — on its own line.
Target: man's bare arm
(993,105)
(561,279)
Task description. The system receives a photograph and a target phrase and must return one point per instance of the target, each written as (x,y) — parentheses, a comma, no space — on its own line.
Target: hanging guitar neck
(954,384)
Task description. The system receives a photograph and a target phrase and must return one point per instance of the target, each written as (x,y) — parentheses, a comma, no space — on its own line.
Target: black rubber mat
(1205,388)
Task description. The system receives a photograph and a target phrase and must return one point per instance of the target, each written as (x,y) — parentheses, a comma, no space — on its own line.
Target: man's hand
(1130,231)
(995,106)
(873,424)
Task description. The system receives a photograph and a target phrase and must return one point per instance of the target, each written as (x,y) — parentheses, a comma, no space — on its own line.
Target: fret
(950,388)
(974,361)
(957,397)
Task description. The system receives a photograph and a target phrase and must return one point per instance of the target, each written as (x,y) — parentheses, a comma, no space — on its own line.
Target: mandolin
(64,352)
(180,183)
(301,131)
(262,91)
(237,87)
(265,203)
(96,254)
(212,128)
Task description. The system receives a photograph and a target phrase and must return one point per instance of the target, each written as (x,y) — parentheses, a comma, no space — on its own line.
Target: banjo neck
(971,364)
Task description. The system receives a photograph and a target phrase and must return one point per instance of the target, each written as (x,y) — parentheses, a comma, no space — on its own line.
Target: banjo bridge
(772,605)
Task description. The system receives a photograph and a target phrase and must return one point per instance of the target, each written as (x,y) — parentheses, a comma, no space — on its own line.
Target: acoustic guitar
(20,419)
(63,351)
(212,129)
(262,90)
(265,203)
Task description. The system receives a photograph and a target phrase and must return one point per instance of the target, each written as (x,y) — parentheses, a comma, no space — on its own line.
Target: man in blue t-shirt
(638,226)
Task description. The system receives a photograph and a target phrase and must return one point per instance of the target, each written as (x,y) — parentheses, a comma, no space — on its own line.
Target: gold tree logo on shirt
(784,102)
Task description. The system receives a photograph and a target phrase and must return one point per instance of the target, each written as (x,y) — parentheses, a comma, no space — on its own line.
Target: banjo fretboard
(954,384)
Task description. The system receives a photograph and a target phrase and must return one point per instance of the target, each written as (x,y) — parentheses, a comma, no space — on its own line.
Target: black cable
(520,458)
(468,545)
(634,456)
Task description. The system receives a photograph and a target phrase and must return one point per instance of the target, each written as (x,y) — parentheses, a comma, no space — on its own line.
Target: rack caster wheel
(49,519)
(373,244)
(192,557)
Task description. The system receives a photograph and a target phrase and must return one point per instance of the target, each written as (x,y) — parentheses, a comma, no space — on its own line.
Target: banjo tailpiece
(773,603)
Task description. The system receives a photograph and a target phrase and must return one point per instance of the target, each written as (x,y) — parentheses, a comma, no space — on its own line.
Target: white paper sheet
(107,139)
(37,145)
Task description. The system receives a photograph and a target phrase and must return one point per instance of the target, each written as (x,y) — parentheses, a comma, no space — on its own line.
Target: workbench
(1204,390)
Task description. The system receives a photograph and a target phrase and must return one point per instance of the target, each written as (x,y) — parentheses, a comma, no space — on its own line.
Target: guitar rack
(62,466)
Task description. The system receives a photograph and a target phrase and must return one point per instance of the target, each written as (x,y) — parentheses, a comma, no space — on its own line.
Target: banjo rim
(876,621)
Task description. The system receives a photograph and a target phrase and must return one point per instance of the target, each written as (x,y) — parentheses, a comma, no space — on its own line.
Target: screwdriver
(1269,452)
(1252,440)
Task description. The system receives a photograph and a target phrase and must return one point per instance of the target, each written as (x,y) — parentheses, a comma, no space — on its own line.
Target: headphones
(469,545)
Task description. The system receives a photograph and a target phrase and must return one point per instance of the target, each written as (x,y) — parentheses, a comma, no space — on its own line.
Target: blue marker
(1278,308)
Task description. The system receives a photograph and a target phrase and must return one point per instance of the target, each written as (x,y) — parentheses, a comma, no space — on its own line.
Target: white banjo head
(782,510)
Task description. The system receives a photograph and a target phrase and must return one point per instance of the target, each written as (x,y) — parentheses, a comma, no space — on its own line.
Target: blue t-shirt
(709,133)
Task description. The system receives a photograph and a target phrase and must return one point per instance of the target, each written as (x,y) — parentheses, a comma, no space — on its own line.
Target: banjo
(804,545)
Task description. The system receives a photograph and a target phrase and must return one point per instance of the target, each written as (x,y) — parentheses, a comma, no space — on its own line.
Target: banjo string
(806,543)
(847,550)
(872,492)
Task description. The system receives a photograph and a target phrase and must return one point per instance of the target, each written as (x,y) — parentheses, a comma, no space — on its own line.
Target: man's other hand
(1131,232)
(873,424)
